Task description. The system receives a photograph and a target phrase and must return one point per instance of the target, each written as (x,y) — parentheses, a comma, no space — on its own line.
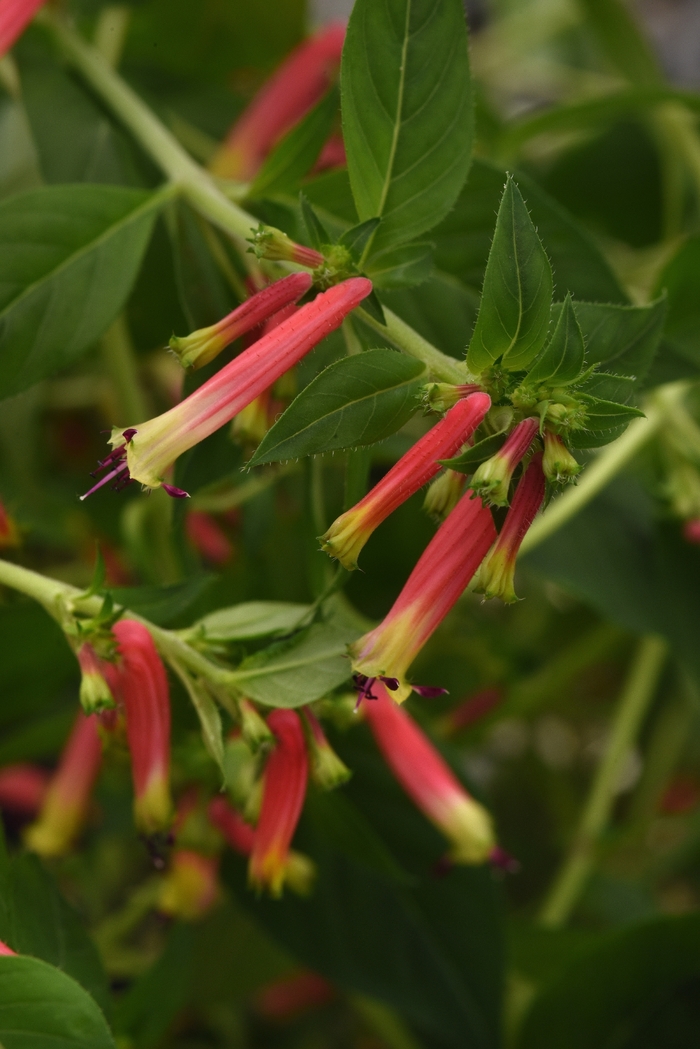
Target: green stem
(636,697)
(607,465)
(405,338)
(110,32)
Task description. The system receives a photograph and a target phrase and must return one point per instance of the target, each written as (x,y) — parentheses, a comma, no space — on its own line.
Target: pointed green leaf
(249,620)
(605,422)
(561,361)
(467,462)
(357,400)
(513,317)
(318,234)
(407,112)
(624,338)
(296,154)
(618,388)
(355,239)
(68,258)
(401,267)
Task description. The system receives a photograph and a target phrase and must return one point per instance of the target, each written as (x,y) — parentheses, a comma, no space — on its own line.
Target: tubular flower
(144,453)
(9,533)
(498,570)
(208,538)
(300,82)
(67,797)
(326,767)
(558,463)
(236,832)
(23,788)
(272,244)
(444,494)
(143,688)
(251,425)
(441,396)
(190,887)
(97,681)
(202,346)
(14,16)
(429,782)
(492,479)
(284,789)
(443,571)
(348,534)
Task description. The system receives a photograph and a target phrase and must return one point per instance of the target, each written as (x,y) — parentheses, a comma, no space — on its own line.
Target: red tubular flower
(207,536)
(143,689)
(23,788)
(284,789)
(236,832)
(292,996)
(326,767)
(144,453)
(7,951)
(558,463)
(348,534)
(429,782)
(498,570)
(14,16)
(190,888)
(9,533)
(433,587)
(251,424)
(492,479)
(67,797)
(300,82)
(691,531)
(202,346)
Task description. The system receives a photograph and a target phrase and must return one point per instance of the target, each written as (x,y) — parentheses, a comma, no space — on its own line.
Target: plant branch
(637,694)
(407,339)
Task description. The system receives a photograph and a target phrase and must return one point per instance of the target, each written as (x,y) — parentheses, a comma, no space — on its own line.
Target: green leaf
(561,361)
(357,400)
(69,256)
(680,281)
(401,267)
(618,388)
(407,112)
(296,154)
(162,604)
(42,1008)
(205,296)
(318,235)
(292,673)
(249,620)
(513,317)
(152,1002)
(626,991)
(605,421)
(624,337)
(467,462)
(355,239)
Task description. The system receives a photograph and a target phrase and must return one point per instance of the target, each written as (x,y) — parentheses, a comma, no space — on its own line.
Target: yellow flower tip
(55,832)
(444,494)
(95,694)
(300,873)
(153,810)
(471,830)
(345,538)
(252,423)
(195,350)
(496,577)
(190,888)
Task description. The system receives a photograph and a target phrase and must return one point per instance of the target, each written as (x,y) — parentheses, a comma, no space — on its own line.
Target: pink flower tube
(203,345)
(429,782)
(23,788)
(436,583)
(145,453)
(143,689)
(15,15)
(299,83)
(6,951)
(67,798)
(492,479)
(284,790)
(348,534)
(237,833)
(498,570)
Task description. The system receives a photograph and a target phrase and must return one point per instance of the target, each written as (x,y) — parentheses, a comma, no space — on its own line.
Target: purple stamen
(108,477)
(391,683)
(176,493)
(429,691)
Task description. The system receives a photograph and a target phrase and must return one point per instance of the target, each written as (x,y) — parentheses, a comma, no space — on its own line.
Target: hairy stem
(636,697)
(405,338)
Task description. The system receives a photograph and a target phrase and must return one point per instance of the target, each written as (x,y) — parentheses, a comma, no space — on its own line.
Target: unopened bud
(558,463)
(95,693)
(327,770)
(441,396)
(492,479)
(240,770)
(443,494)
(253,727)
(274,245)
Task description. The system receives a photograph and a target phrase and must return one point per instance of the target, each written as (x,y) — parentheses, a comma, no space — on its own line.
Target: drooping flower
(272,244)
(15,15)
(9,533)
(97,682)
(429,781)
(492,479)
(67,799)
(190,887)
(202,346)
(208,538)
(23,788)
(284,790)
(497,573)
(443,494)
(441,396)
(300,82)
(145,453)
(251,424)
(433,587)
(558,463)
(143,690)
(327,770)
(236,832)
(6,951)
(348,534)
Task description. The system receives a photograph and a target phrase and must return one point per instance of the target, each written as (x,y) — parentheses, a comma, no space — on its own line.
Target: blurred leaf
(330,193)
(205,295)
(442,310)
(162,604)
(297,152)
(42,1008)
(292,673)
(250,620)
(679,280)
(36,663)
(624,43)
(44,926)
(561,361)
(463,239)
(407,113)
(612,993)
(153,1001)
(68,258)
(358,400)
(401,267)
(513,317)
